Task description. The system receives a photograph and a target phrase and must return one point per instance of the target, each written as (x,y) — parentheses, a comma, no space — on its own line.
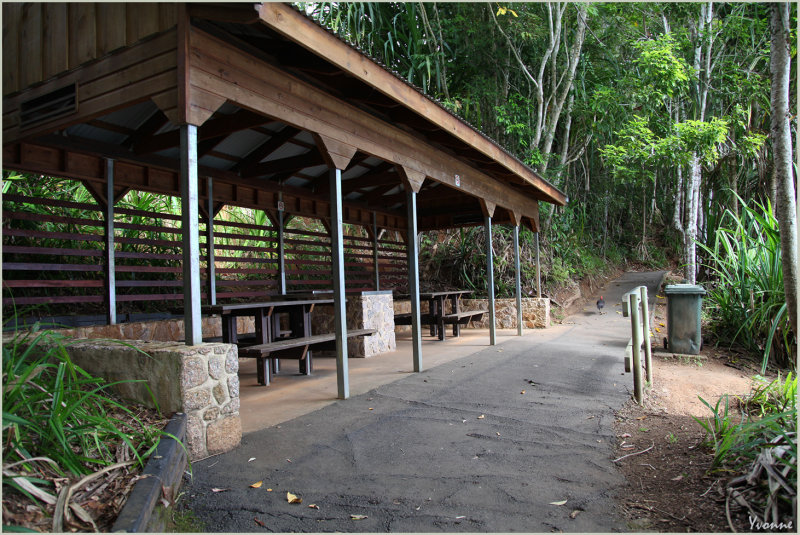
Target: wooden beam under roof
(292,164)
(370,179)
(220,69)
(275,142)
(219,126)
(70,158)
(153,124)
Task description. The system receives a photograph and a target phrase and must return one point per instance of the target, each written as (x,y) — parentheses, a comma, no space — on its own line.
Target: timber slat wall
(62,36)
(53,258)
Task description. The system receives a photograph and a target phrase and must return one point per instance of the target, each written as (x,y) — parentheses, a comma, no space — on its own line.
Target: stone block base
(201,381)
(535,312)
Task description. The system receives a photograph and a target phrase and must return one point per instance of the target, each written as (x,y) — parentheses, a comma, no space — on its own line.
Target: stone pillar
(371,310)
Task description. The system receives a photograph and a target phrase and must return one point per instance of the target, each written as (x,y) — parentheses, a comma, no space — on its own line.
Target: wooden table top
(433,295)
(232,307)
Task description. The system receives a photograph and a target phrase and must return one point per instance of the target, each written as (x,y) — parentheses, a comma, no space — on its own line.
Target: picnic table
(268,330)
(270,343)
(436,317)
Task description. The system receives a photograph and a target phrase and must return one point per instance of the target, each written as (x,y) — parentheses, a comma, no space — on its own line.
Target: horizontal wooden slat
(50,283)
(44,201)
(29,266)
(51,218)
(68,236)
(52,300)
(53,251)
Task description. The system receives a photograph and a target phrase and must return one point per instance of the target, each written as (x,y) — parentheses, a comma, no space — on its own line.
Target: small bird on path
(600,304)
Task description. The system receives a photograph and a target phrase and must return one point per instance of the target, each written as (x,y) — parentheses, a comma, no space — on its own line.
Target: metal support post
(375,250)
(490,281)
(340,317)
(636,346)
(281,247)
(110,267)
(211,281)
(538,269)
(648,357)
(518,280)
(413,280)
(190,228)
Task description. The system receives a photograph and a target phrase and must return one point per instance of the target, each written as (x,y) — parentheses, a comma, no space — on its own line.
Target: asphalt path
(517,437)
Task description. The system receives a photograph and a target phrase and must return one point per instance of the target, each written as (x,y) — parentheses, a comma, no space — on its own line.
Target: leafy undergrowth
(735,470)
(760,444)
(71,449)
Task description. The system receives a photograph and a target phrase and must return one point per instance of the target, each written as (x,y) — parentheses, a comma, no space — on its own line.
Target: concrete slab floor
(291,395)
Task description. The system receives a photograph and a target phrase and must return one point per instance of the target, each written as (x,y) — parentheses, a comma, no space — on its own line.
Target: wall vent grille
(58,103)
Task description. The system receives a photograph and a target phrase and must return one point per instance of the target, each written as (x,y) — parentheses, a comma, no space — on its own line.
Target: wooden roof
(277,99)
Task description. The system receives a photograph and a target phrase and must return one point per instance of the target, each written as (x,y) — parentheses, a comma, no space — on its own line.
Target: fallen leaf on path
(257,484)
(558,503)
(658,330)
(218,490)
(618,312)
(269,490)
(371,408)
(661,324)
(625,435)
(288,460)
(313,506)
(678,478)
(293,498)
(358,517)
(522,392)
(574,513)
(641,417)
(260,523)
(660,296)
(481,417)
(460,517)
(251,459)
(498,433)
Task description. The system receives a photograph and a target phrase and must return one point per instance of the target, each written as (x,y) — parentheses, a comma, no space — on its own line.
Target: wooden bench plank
(405,319)
(291,348)
(465,314)
(458,319)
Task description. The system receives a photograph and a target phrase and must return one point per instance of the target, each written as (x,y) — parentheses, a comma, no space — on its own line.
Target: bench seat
(460,318)
(291,348)
(405,318)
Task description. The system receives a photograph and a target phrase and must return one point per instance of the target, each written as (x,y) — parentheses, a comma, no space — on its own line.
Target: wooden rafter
(251,83)
(153,124)
(220,126)
(69,158)
(265,149)
(290,165)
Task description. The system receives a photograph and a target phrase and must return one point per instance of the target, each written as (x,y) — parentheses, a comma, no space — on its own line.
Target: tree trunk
(677,215)
(572,65)
(693,205)
(785,207)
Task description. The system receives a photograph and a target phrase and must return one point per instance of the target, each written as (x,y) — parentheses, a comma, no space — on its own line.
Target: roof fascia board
(295,26)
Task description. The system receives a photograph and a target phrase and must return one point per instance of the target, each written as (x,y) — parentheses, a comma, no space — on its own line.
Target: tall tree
(783,175)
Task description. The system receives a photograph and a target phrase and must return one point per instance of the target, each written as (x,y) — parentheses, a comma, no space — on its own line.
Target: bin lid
(684,289)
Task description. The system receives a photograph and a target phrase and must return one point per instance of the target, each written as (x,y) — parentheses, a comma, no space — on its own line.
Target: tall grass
(747,291)
(59,421)
(759,447)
